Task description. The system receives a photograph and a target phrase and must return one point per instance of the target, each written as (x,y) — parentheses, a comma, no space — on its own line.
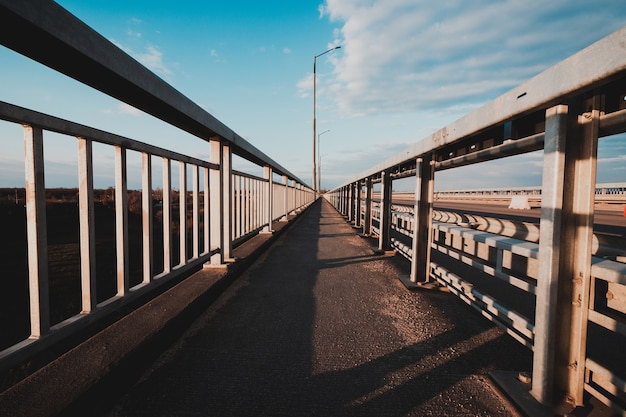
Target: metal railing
(552,295)
(210,209)
(604,193)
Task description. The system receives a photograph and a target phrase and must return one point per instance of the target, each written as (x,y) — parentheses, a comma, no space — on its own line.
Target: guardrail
(193,223)
(553,295)
(604,193)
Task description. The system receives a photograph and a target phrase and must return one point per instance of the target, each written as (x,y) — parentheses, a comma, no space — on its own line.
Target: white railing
(202,210)
(607,192)
(552,294)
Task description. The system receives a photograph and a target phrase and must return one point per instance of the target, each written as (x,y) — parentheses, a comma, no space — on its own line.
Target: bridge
(357,307)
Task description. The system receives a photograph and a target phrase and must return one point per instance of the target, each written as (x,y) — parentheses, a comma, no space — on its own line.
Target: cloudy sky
(405,69)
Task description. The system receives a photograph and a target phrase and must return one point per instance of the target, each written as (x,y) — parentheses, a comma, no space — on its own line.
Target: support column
(367,218)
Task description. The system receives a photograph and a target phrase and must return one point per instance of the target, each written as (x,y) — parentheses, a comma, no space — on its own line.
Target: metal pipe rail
(210,210)
(563,111)
(609,192)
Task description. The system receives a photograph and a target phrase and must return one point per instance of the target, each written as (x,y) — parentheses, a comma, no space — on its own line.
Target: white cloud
(286,51)
(408,55)
(128,109)
(153,59)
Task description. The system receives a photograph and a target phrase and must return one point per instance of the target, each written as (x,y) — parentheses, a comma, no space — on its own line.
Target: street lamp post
(314,185)
(319,161)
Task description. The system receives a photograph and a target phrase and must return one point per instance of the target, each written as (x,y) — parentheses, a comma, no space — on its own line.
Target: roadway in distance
(608,219)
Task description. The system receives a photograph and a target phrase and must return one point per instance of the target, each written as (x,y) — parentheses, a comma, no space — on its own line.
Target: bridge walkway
(319,325)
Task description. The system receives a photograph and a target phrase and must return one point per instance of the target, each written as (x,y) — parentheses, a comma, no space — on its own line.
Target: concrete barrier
(519,202)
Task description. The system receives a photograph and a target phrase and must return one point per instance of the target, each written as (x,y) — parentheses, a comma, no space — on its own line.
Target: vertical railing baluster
(285,216)
(227,178)
(167,215)
(238,206)
(146,217)
(87,225)
(121,220)
(357,204)
(207,208)
(269,198)
(38,285)
(196,210)
(247,213)
(182,212)
(367,218)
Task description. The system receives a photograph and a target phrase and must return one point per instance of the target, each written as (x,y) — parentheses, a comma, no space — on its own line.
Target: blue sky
(406,68)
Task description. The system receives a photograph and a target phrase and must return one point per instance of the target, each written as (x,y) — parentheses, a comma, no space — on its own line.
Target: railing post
(384,238)
(207,210)
(367,218)
(146,217)
(38,284)
(549,254)
(195,190)
(182,213)
(269,195)
(566,231)
(357,204)
(422,215)
(220,200)
(285,217)
(87,225)
(350,202)
(121,221)
(167,215)
(294,196)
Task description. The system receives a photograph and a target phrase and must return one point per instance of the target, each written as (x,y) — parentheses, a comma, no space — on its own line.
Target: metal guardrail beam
(596,65)
(35,28)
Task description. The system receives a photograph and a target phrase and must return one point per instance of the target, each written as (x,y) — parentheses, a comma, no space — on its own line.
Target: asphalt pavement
(321,326)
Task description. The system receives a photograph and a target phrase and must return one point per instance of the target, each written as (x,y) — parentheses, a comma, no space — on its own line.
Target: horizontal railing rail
(609,192)
(102,251)
(554,294)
